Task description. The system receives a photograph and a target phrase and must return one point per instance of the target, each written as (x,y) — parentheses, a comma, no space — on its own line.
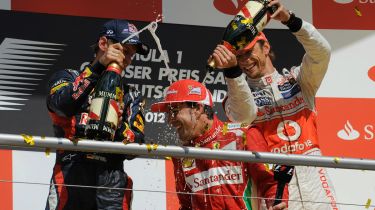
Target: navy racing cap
(119,30)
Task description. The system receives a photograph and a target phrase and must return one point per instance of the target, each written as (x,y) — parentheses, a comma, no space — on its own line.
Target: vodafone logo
(348,133)
(288,130)
(229,7)
(371,73)
(343,1)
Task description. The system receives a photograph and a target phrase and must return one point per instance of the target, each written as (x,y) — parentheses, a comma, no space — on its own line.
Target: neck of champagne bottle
(114,67)
(261,13)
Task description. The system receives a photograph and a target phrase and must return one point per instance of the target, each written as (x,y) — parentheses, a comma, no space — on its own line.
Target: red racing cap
(184,91)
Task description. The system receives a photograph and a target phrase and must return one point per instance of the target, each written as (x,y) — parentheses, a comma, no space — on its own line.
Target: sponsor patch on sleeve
(58,86)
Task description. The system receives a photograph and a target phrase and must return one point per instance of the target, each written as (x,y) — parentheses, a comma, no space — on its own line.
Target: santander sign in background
(346,127)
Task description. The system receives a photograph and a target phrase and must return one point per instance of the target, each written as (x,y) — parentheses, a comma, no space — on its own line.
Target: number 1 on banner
(179,56)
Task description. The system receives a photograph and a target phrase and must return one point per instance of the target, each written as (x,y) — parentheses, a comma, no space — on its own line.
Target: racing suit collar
(265,80)
(210,135)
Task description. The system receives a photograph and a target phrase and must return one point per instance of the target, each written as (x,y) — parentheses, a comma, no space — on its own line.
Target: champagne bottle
(245,26)
(104,108)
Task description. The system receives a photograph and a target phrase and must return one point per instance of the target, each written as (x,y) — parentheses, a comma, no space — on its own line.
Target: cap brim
(249,46)
(163,106)
(160,107)
(142,48)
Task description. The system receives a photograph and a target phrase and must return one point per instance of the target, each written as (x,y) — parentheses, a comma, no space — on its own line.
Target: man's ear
(266,48)
(199,109)
(103,43)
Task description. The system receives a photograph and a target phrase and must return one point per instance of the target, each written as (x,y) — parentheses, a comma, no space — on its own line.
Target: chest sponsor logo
(288,130)
(263,101)
(289,89)
(294,104)
(214,177)
(295,147)
(262,98)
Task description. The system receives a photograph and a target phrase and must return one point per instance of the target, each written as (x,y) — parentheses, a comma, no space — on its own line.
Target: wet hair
(271,53)
(206,109)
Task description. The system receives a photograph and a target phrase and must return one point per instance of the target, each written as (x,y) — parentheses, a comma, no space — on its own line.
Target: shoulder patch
(58,82)
(232,126)
(58,86)
(75,72)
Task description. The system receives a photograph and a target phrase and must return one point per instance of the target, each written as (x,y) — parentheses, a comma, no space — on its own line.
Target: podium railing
(40,143)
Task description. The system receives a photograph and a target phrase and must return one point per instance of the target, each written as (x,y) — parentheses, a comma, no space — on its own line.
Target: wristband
(291,19)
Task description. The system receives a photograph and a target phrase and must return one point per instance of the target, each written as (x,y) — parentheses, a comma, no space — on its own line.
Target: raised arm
(239,104)
(69,89)
(318,51)
(315,61)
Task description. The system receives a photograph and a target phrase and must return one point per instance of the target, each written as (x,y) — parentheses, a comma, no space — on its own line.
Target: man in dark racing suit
(89,181)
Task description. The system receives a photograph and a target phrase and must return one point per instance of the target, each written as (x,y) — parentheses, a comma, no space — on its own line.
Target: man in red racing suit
(215,184)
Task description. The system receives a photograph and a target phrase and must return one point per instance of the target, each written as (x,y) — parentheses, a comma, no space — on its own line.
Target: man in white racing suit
(282,103)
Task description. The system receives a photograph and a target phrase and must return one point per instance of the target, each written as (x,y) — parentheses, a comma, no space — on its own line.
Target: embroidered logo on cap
(171,92)
(109,32)
(195,90)
(132,28)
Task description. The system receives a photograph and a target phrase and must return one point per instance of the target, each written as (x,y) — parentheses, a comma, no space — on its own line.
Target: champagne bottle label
(95,108)
(112,113)
(257,12)
(104,108)
(256,8)
(111,119)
